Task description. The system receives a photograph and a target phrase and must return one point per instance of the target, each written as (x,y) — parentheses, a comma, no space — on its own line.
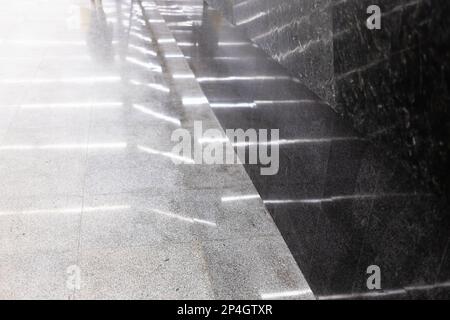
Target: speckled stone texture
(297,35)
(392,84)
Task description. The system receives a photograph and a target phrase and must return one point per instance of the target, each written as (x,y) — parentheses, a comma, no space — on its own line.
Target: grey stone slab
(6,115)
(37,275)
(168,271)
(137,219)
(128,180)
(42,172)
(134,133)
(68,117)
(261,268)
(26,132)
(30,224)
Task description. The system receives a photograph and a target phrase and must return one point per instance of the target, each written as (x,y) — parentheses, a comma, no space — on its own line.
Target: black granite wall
(297,34)
(393,83)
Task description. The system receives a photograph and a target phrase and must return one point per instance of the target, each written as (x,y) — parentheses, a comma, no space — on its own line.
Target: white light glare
(190,220)
(239,198)
(285,294)
(167,155)
(156,114)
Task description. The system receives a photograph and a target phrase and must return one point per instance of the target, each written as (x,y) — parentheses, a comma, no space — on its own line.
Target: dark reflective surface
(339,204)
(89,99)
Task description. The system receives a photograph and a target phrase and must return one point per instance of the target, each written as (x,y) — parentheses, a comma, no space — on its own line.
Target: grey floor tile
(12,94)
(144,178)
(254,269)
(7,114)
(168,271)
(69,117)
(121,220)
(137,219)
(147,134)
(35,224)
(219,177)
(41,172)
(36,275)
(25,132)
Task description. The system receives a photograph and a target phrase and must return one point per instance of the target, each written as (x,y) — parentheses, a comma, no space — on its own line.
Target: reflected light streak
(105,208)
(67,210)
(105,105)
(183,76)
(147,65)
(252,18)
(157,115)
(240,198)
(80,80)
(29,42)
(120,145)
(343,197)
(187,44)
(296,141)
(174,56)
(232,105)
(189,101)
(141,37)
(278,102)
(44,43)
(143,50)
(229,58)
(205,140)
(386,293)
(166,40)
(167,155)
(155,86)
(184,23)
(285,294)
(323,200)
(278,142)
(50,57)
(242,78)
(190,220)
(233,44)
(182,31)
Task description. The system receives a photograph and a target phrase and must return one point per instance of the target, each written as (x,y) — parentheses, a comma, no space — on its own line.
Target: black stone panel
(299,37)
(391,84)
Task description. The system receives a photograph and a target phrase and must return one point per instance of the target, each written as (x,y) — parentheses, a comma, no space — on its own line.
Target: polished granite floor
(92,205)
(88,189)
(340,205)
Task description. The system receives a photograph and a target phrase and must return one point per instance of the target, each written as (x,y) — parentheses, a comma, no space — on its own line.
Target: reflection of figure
(209,30)
(99,35)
